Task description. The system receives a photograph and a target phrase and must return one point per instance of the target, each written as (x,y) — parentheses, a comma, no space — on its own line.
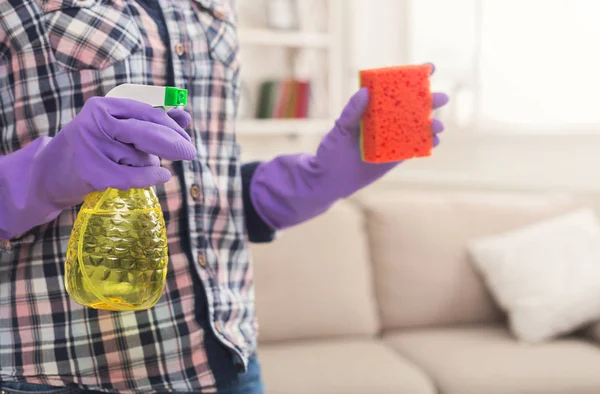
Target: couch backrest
(388,260)
(315,279)
(421,270)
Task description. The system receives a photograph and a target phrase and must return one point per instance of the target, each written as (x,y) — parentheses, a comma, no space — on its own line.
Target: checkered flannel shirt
(54,55)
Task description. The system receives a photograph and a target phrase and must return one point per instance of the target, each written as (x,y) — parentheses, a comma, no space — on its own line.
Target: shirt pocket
(89,34)
(219,29)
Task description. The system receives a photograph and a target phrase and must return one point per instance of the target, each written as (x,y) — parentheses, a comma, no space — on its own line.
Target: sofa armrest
(593,332)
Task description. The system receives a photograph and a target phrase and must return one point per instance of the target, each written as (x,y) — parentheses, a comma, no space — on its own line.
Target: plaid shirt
(54,55)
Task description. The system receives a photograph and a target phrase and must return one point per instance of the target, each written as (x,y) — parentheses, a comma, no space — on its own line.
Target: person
(60,139)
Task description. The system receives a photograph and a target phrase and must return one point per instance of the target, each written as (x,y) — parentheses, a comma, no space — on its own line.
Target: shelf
(283,126)
(293,39)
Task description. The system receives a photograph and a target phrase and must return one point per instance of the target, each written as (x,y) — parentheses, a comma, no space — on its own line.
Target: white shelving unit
(330,41)
(292,39)
(283,126)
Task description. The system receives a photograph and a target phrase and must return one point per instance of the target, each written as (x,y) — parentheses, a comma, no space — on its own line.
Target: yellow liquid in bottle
(117,255)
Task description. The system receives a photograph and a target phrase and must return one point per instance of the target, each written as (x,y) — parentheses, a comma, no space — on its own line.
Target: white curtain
(512,66)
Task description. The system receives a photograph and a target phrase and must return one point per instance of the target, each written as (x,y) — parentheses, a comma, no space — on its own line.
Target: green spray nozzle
(174,97)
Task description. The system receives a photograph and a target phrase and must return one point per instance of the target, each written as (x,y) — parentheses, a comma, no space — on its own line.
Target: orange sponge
(397,122)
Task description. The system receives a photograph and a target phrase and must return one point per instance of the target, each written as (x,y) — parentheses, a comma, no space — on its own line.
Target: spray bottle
(117,254)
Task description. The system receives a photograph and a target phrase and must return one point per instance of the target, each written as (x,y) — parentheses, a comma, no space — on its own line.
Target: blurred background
(520,74)
(475,270)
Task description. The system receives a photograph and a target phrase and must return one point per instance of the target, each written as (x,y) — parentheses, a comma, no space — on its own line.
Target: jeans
(248,383)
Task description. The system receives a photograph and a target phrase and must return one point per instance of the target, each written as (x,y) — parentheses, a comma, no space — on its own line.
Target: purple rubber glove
(112,142)
(291,189)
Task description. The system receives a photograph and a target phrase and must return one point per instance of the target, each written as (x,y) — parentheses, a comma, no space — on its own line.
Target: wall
(558,163)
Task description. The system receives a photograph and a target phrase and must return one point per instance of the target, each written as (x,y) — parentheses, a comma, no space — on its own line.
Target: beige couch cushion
(315,280)
(488,360)
(418,244)
(340,367)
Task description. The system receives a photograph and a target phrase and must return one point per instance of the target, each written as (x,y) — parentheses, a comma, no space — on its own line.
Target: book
(283,99)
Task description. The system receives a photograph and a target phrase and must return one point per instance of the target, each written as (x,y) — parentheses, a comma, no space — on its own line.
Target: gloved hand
(112,143)
(291,189)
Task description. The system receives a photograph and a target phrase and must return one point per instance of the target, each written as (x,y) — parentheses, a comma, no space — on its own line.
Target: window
(527,66)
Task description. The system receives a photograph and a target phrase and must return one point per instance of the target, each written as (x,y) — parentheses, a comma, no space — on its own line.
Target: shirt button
(202,261)
(219,327)
(195,192)
(218,14)
(179,49)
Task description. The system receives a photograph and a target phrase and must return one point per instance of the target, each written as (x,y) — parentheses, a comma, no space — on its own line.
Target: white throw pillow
(545,276)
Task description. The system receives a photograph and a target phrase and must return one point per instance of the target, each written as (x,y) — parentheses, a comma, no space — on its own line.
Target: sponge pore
(397,122)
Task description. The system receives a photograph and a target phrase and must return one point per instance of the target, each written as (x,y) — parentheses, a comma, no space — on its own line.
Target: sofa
(379,296)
